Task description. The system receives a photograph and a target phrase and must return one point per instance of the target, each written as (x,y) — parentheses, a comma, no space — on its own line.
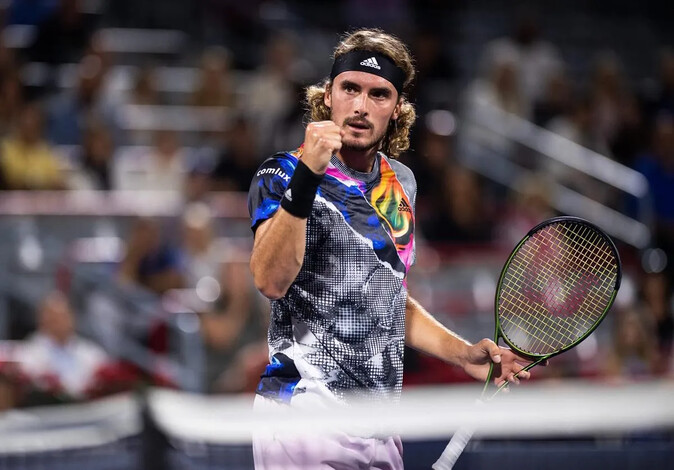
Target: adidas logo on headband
(371,62)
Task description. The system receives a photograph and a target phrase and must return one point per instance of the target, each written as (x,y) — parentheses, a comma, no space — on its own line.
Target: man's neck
(359,160)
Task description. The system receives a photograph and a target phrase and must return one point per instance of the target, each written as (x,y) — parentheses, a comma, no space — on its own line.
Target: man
(56,351)
(334,239)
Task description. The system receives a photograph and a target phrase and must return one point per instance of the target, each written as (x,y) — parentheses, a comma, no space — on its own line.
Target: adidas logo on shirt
(371,62)
(404,207)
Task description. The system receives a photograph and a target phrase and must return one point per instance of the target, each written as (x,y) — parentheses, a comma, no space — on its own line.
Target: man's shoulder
(283,158)
(280,164)
(404,173)
(397,165)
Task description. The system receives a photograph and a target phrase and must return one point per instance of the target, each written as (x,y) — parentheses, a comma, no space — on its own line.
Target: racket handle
(454,449)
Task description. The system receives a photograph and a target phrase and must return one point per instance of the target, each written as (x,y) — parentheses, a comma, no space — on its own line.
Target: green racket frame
(539,358)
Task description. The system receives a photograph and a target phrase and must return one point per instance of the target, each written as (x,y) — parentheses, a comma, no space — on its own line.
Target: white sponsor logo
(371,62)
(274,171)
(288,195)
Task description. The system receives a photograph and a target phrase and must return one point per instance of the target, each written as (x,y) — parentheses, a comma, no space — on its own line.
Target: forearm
(424,333)
(278,253)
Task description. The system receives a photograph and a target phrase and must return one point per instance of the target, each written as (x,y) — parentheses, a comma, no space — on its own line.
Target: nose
(360,105)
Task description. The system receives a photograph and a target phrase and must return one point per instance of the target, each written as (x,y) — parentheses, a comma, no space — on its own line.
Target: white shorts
(273,451)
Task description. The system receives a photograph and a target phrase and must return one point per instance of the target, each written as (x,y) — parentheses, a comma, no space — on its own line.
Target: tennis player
(334,239)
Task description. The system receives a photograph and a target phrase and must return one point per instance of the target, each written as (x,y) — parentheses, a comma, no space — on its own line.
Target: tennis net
(539,425)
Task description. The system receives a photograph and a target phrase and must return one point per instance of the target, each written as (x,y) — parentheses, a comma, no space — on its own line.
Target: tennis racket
(555,289)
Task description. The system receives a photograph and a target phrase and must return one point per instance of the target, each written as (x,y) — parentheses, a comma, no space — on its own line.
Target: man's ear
(396,110)
(327,96)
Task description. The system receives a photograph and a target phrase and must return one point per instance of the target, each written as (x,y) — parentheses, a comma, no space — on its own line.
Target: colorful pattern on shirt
(342,322)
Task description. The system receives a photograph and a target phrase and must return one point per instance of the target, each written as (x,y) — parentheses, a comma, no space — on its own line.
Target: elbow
(269,289)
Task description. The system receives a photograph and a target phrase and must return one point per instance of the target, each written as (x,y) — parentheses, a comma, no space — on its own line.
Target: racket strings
(556,287)
(549,295)
(576,257)
(560,326)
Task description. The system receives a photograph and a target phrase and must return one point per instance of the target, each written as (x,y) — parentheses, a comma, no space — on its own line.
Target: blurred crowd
(78,114)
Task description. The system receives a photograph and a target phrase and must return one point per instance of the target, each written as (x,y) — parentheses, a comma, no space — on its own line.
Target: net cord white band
(534,409)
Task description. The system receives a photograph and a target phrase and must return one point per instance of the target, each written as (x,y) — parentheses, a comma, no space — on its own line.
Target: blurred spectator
(7,63)
(150,262)
(69,111)
(55,355)
(434,153)
(288,132)
(97,47)
(235,331)
(656,303)
(497,91)
(630,137)
(270,92)
(633,353)
(198,182)
(500,87)
(28,162)
(657,165)
(461,214)
(144,90)
(579,127)
(200,255)
(239,159)
(163,168)
(608,93)
(660,98)
(666,99)
(434,72)
(530,204)
(533,59)
(214,86)
(11,101)
(95,159)
(234,325)
(555,101)
(63,35)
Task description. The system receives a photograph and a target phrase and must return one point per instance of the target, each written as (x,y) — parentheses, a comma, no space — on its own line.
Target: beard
(362,146)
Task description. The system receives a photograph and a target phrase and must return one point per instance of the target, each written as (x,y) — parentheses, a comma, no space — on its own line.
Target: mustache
(357,121)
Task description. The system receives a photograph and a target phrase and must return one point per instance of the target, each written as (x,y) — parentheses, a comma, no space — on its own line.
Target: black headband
(370,62)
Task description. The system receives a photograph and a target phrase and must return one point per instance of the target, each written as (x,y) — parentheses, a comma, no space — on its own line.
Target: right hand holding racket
(508,365)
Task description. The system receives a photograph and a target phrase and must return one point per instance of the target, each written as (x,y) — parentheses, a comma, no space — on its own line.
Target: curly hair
(397,137)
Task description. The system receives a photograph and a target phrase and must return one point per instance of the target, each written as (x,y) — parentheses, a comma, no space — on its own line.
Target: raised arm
(278,252)
(280,242)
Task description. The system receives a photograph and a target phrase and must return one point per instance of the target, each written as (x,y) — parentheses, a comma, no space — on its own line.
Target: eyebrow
(349,83)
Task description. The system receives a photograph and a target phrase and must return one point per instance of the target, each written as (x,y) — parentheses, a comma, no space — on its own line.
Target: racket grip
(454,449)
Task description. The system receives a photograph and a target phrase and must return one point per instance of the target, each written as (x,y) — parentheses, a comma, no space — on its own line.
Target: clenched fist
(321,140)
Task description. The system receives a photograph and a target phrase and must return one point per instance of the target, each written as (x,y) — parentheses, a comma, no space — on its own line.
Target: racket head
(557,286)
